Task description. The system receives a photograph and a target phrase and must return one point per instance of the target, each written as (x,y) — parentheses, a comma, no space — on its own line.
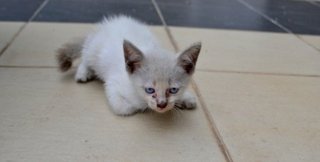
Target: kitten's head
(159,76)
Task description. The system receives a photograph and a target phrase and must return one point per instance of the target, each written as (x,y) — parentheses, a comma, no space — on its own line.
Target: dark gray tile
(18,10)
(94,10)
(298,16)
(315,3)
(225,14)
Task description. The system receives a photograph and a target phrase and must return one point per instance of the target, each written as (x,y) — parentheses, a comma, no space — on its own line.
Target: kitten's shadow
(170,120)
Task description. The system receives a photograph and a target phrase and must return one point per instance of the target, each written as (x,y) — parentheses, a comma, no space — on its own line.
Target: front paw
(189,101)
(186,105)
(81,77)
(123,109)
(120,106)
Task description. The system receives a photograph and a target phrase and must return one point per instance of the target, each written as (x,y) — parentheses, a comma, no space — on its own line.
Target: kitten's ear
(188,58)
(133,56)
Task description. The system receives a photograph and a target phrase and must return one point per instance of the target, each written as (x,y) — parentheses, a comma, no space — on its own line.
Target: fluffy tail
(67,53)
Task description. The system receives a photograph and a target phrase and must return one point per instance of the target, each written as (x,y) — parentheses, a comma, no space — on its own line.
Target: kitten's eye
(173,90)
(149,90)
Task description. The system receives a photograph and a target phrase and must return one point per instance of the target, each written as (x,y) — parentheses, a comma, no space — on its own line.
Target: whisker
(178,110)
(178,106)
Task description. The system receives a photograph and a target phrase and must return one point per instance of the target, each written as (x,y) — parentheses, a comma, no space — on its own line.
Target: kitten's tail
(67,53)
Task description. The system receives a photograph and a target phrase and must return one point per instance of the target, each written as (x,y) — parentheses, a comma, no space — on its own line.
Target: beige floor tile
(46,116)
(7,31)
(37,44)
(265,118)
(250,51)
(312,40)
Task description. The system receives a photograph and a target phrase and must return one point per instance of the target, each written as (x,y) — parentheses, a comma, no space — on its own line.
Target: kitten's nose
(162,105)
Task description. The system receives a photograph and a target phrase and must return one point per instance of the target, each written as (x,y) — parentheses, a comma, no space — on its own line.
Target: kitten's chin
(158,110)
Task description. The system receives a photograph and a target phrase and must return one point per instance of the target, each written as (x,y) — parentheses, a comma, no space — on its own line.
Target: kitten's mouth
(163,110)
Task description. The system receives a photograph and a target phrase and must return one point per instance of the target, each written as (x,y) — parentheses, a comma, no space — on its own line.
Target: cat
(137,72)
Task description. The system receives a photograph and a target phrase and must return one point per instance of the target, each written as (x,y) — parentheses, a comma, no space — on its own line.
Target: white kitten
(138,73)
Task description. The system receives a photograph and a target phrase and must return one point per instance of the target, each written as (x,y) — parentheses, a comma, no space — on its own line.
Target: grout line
(13,38)
(23,26)
(43,4)
(213,126)
(173,42)
(313,3)
(303,40)
(265,16)
(275,22)
(214,129)
(259,73)
(29,67)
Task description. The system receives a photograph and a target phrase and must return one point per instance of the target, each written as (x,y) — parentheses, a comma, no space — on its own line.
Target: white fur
(103,56)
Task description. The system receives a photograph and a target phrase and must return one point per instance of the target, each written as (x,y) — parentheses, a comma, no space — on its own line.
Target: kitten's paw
(86,79)
(186,105)
(81,79)
(188,101)
(120,106)
(83,75)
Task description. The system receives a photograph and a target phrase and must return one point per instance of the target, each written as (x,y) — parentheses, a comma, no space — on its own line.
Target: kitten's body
(128,58)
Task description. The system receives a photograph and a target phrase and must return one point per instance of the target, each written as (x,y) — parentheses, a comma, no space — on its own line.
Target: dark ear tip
(125,42)
(197,45)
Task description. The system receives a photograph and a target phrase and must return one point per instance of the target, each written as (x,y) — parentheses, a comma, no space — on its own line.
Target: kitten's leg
(118,103)
(188,101)
(84,73)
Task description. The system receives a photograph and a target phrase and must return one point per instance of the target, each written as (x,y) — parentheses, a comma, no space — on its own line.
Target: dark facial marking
(154,95)
(167,93)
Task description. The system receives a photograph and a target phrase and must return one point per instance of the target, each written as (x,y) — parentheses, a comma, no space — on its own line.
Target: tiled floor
(257,82)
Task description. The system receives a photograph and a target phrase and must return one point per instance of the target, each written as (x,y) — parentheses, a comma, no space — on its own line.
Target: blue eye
(173,90)
(149,90)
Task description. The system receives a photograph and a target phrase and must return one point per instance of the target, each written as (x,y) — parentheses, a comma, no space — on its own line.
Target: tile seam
(208,116)
(213,126)
(306,42)
(313,3)
(42,5)
(13,38)
(23,26)
(249,6)
(30,67)
(259,73)
(166,28)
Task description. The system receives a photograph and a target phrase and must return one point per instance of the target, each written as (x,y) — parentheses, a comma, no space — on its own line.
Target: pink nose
(162,105)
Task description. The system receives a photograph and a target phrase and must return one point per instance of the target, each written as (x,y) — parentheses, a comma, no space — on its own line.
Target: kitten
(138,73)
